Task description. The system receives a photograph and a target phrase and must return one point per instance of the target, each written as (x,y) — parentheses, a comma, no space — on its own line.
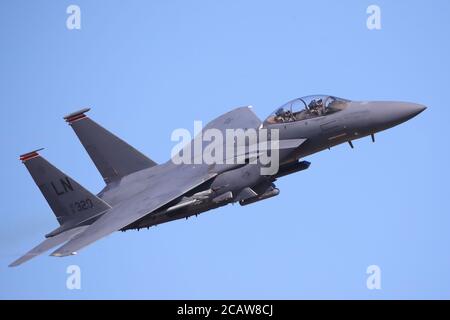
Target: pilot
(279,112)
(279,115)
(282,115)
(288,115)
(320,107)
(313,107)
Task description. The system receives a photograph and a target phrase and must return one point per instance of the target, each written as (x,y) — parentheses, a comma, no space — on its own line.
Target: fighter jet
(140,193)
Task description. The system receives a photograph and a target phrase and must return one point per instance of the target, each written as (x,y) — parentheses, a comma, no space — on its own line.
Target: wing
(135,208)
(183,177)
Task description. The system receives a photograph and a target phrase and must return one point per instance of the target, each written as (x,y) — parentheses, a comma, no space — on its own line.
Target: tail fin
(69,201)
(113,157)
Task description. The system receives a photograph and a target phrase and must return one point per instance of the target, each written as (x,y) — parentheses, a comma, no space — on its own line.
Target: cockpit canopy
(306,108)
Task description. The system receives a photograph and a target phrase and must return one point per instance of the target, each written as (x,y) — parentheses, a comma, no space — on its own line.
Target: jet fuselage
(322,129)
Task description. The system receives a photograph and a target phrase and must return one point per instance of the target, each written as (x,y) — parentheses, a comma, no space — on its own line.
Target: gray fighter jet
(140,193)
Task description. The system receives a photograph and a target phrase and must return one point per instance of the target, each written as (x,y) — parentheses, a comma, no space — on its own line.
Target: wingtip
(19,261)
(29,155)
(77,115)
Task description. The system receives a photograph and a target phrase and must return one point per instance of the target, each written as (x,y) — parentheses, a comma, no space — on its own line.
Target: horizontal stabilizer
(113,157)
(48,244)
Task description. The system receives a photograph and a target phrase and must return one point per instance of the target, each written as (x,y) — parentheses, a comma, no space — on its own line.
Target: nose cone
(389,114)
(405,111)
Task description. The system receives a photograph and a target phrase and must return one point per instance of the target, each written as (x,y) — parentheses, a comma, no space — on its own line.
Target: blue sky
(153,66)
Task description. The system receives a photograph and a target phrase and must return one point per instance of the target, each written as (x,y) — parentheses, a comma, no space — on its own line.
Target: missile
(182,205)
